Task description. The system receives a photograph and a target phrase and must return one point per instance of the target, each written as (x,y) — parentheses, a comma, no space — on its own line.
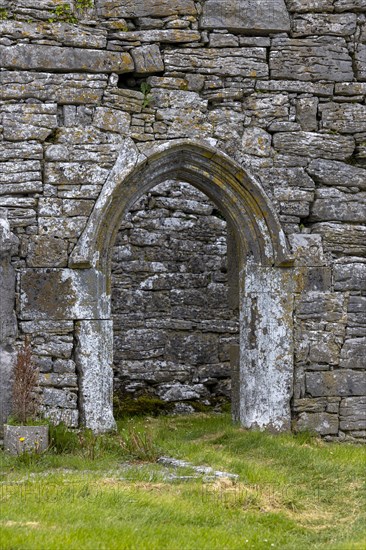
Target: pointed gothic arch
(265,358)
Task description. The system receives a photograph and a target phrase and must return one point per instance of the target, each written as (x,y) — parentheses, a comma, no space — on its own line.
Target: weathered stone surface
(302,6)
(353,413)
(147,59)
(173,36)
(112,120)
(360,62)
(308,249)
(306,113)
(253,16)
(20,439)
(247,62)
(337,174)
(325,24)
(336,383)
(350,276)
(312,59)
(47,251)
(346,118)
(64,33)
(26,122)
(321,423)
(311,144)
(142,8)
(43,58)
(353,355)
(62,294)
(94,350)
(334,205)
(76,88)
(341,238)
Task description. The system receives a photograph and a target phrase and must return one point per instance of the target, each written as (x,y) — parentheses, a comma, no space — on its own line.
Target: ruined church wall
(278,86)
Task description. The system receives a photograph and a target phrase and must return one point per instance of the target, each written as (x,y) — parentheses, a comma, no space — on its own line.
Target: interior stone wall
(173,326)
(277,86)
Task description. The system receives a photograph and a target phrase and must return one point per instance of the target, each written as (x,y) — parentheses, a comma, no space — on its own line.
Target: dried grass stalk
(25,402)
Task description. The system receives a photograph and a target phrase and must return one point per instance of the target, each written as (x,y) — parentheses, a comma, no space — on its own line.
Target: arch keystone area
(263,368)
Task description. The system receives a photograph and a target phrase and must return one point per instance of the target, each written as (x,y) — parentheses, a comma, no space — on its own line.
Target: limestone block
(52,327)
(147,59)
(321,423)
(333,173)
(58,380)
(74,173)
(334,205)
(69,417)
(306,113)
(55,346)
(173,36)
(303,6)
(283,177)
(193,348)
(47,251)
(341,383)
(63,294)
(353,355)
(253,16)
(350,88)
(353,413)
(323,58)
(112,120)
(28,121)
(264,108)
(325,24)
(346,118)
(313,145)
(64,366)
(346,5)
(301,87)
(145,8)
(19,151)
(350,276)
(256,142)
(266,340)
(75,88)
(245,62)
(63,398)
(62,227)
(94,364)
(360,62)
(344,239)
(64,33)
(327,307)
(182,392)
(20,439)
(20,177)
(324,347)
(43,58)
(307,249)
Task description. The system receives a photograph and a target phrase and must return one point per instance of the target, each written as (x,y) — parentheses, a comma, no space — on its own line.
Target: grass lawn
(292,492)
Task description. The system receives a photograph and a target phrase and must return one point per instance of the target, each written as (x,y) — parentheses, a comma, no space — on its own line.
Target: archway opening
(265,281)
(175,304)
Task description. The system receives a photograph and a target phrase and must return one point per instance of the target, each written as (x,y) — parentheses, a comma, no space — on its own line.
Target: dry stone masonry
(260,105)
(172,322)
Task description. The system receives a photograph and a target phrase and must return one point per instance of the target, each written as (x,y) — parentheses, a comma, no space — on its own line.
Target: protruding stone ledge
(143,8)
(252,16)
(54,58)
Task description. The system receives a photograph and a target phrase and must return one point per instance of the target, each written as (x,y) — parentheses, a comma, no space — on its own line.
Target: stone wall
(277,86)
(173,326)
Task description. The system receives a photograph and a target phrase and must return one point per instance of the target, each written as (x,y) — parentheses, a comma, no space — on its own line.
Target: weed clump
(145,405)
